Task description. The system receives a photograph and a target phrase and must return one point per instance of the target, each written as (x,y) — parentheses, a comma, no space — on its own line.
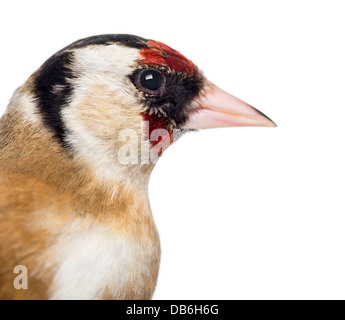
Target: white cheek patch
(107,67)
(90,148)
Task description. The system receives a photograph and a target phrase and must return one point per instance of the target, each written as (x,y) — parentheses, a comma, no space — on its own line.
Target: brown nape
(41,187)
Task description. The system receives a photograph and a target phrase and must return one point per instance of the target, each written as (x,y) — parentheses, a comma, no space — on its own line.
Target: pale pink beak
(216,109)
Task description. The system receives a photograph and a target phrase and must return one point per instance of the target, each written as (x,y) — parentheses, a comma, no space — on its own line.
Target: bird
(78,142)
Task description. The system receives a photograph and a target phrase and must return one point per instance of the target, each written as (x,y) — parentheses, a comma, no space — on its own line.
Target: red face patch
(160,54)
(155,140)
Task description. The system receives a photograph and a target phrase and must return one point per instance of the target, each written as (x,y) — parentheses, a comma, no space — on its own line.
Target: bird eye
(151,79)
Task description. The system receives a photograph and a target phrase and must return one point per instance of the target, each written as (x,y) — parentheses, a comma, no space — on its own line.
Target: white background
(243,213)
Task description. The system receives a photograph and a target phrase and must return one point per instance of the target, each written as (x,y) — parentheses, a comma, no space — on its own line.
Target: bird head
(115,101)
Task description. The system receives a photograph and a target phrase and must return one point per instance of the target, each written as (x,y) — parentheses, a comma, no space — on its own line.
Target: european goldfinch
(78,142)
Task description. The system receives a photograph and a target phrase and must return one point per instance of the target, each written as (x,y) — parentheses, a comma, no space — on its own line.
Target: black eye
(151,79)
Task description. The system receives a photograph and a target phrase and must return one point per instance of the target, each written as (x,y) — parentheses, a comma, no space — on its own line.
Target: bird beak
(216,109)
